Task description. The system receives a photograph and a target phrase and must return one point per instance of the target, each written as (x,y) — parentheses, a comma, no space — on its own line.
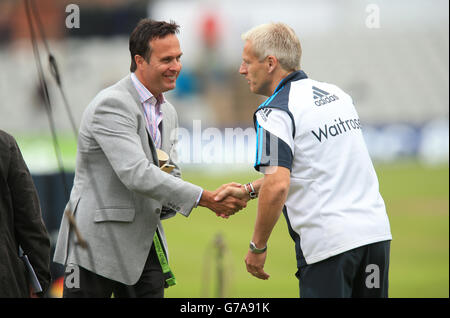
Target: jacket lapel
(167,126)
(137,103)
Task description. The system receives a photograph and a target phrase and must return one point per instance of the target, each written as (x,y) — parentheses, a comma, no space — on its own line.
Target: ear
(139,60)
(272,63)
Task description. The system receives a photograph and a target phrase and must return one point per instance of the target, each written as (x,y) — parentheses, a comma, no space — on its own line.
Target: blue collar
(292,77)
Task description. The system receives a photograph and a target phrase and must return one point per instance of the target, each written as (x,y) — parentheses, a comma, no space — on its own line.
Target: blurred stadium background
(391,56)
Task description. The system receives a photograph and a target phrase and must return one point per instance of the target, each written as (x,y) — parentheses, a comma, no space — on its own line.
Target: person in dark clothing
(21,225)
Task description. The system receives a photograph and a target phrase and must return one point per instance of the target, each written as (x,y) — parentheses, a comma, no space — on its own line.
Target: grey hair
(277,39)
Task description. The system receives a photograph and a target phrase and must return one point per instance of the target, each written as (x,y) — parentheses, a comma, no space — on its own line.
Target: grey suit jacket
(118,190)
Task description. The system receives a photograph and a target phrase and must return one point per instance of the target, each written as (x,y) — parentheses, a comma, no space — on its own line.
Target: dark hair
(143,33)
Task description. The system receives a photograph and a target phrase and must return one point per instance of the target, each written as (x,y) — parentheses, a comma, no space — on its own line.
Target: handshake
(227,199)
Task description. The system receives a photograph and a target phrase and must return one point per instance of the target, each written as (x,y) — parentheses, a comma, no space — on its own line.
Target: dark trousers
(149,285)
(361,272)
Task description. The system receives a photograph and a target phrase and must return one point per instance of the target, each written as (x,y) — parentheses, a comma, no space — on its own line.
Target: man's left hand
(255,265)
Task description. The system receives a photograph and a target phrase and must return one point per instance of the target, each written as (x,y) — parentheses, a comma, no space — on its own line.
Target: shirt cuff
(198,200)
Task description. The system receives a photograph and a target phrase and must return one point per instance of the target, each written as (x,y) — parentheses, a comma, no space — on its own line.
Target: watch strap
(256,250)
(250,190)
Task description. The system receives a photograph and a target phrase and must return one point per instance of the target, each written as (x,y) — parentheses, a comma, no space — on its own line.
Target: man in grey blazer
(119,192)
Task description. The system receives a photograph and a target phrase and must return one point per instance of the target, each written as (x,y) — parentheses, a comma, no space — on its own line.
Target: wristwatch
(256,250)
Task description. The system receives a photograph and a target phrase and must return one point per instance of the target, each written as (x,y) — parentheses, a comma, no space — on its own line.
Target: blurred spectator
(51,13)
(97,17)
(6,8)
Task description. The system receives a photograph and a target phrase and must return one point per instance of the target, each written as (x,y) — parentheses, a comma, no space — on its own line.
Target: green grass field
(417,200)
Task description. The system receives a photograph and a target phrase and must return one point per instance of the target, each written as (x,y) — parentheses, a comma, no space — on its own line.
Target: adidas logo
(265,113)
(321,97)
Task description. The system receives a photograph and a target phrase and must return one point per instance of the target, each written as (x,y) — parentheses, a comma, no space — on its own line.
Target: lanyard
(170,278)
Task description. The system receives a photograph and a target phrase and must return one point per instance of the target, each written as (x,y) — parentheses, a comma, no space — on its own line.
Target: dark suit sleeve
(29,227)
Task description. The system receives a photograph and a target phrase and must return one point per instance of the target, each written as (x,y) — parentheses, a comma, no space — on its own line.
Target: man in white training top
(317,170)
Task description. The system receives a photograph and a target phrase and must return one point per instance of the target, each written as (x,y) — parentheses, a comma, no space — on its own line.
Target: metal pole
(220,245)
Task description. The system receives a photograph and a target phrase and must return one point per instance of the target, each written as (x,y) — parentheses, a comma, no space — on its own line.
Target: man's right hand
(226,207)
(232,189)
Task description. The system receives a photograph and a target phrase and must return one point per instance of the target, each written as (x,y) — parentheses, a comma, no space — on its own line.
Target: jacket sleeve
(115,130)
(28,224)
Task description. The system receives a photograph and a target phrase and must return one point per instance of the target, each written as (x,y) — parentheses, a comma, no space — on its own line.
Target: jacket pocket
(114,214)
